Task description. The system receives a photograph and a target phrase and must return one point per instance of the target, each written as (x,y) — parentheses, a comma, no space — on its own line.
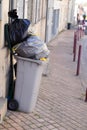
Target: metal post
(23,8)
(86,96)
(74,41)
(78,34)
(74,47)
(78,62)
(83,32)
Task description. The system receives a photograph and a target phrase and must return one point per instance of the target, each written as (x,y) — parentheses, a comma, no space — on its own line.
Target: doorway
(55,22)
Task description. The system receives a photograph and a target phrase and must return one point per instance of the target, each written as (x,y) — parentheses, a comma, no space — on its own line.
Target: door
(55,22)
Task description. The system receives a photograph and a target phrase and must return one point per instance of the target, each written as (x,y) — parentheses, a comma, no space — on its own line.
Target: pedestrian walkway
(60,104)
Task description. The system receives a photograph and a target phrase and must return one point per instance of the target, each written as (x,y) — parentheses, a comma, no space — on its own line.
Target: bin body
(29,73)
(68,25)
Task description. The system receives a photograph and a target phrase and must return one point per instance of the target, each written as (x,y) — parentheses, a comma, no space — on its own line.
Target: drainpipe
(69,14)
(69,11)
(10,4)
(23,8)
(46,20)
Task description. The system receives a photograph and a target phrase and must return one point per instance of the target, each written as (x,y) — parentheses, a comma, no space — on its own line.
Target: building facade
(71,12)
(48,18)
(4,53)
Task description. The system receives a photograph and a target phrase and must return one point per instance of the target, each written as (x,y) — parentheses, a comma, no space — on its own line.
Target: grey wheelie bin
(29,73)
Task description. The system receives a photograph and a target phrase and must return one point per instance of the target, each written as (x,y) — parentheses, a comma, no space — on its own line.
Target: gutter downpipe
(23,8)
(46,20)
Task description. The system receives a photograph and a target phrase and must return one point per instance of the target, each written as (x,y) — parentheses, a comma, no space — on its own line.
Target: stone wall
(63,15)
(4,54)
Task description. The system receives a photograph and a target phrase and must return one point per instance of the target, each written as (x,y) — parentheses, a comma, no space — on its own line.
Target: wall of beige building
(4,55)
(71,12)
(39,28)
(63,18)
(67,8)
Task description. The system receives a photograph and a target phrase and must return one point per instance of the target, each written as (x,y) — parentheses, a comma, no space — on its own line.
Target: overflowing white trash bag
(32,47)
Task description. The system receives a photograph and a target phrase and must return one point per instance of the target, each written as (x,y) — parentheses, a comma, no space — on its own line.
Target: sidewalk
(60,104)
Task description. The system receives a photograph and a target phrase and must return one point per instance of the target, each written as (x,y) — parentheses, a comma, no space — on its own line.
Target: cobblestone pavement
(60,104)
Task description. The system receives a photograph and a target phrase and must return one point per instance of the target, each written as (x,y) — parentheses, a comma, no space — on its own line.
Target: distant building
(80,10)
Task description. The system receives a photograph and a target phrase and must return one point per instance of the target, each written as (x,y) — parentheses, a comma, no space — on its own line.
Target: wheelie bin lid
(39,62)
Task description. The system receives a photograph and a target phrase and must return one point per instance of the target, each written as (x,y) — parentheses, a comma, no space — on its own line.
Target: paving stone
(11,128)
(1,127)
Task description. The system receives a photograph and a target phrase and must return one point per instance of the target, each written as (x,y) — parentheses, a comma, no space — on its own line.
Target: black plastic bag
(18,30)
(13,14)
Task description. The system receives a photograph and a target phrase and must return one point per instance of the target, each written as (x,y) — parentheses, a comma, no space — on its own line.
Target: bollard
(77,33)
(78,61)
(80,33)
(75,38)
(74,47)
(86,96)
(83,33)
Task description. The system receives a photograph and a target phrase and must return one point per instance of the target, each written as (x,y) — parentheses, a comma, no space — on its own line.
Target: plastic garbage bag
(13,14)
(18,30)
(33,47)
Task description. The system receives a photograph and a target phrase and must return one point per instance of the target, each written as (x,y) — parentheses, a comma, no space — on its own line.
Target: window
(36,10)
(40,10)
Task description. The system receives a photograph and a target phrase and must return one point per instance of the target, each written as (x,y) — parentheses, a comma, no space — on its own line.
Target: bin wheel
(13,105)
